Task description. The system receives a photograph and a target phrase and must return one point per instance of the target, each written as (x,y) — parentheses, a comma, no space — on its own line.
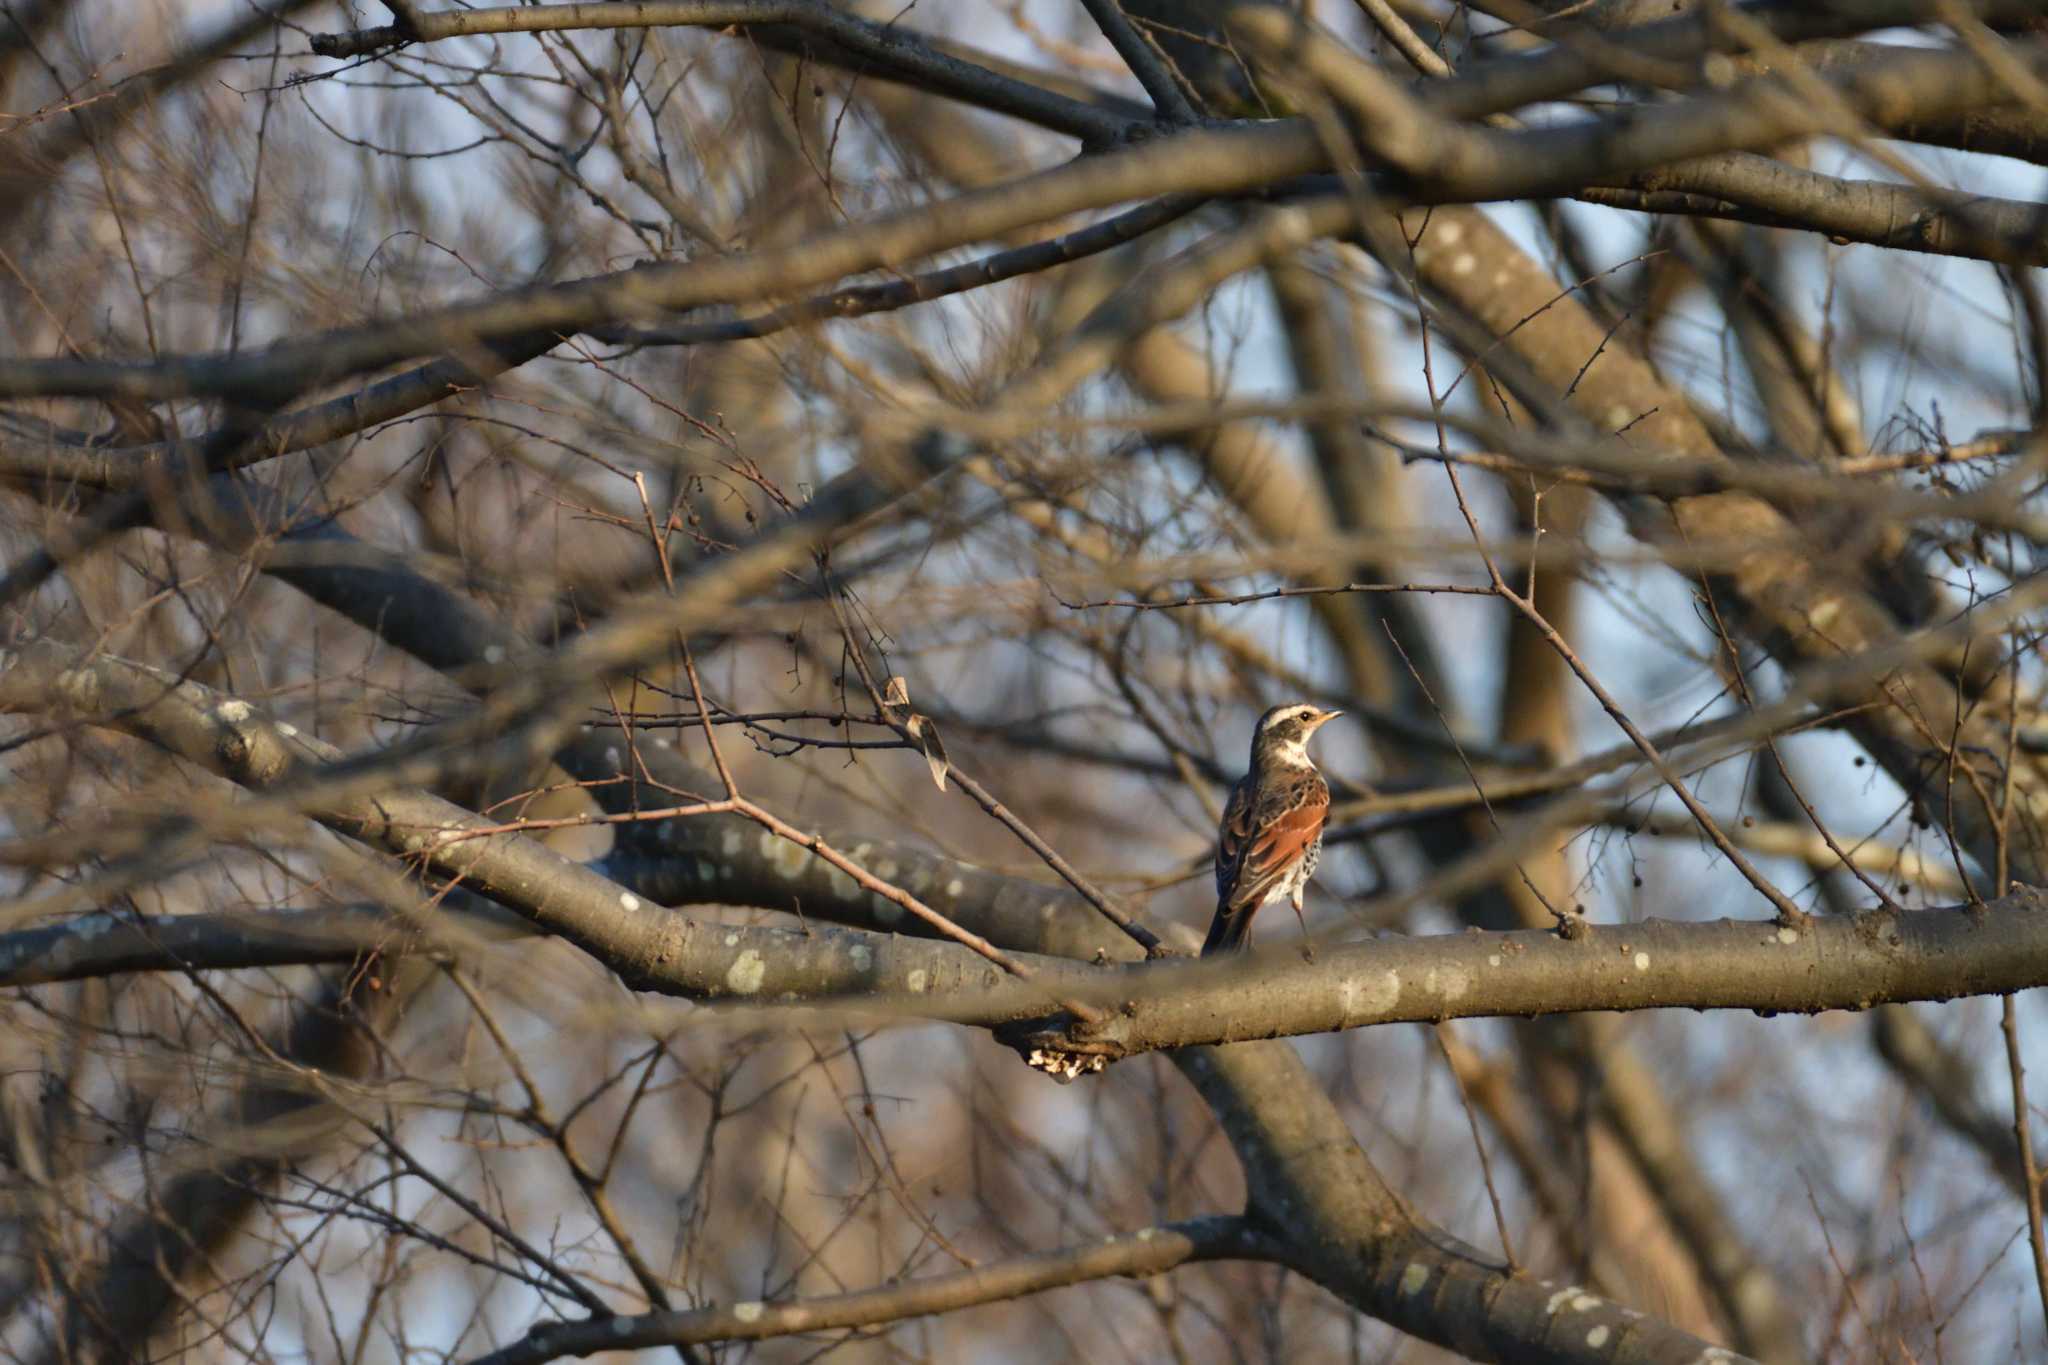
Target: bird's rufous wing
(1284,832)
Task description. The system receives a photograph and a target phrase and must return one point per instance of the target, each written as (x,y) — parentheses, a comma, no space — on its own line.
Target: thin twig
(2023,1138)
(1239,599)
(1442,1033)
(1002,814)
(1789,915)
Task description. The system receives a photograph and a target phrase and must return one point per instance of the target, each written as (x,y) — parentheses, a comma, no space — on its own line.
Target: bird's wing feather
(1285,828)
(1232,835)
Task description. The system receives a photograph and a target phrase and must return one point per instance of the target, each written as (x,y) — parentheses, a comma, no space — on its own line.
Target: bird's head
(1281,738)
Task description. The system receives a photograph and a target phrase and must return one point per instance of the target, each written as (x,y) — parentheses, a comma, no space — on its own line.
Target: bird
(1272,829)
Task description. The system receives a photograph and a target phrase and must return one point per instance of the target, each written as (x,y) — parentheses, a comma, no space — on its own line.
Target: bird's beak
(1324,719)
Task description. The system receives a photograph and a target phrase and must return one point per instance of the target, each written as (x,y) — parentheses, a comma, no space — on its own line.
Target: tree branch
(889,50)
(1152,1251)
(1836,963)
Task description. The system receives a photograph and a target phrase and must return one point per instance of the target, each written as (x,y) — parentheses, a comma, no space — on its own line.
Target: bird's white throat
(1290,754)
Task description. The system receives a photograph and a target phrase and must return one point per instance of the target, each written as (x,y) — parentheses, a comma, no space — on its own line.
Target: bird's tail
(1226,932)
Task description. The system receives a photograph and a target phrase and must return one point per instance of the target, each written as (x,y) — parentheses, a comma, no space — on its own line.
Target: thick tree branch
(1309,1184)
(1874,958)
(109,944)
(1756,189)
(2015,130)
(1668,52)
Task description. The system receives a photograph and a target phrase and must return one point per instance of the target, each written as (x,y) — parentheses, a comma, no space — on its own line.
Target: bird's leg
(1308,948)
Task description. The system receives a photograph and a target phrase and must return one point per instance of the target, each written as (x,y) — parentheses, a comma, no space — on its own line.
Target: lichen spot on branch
(745,975)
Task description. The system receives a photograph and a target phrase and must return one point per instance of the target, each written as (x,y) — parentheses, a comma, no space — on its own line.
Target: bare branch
(1150,1251)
